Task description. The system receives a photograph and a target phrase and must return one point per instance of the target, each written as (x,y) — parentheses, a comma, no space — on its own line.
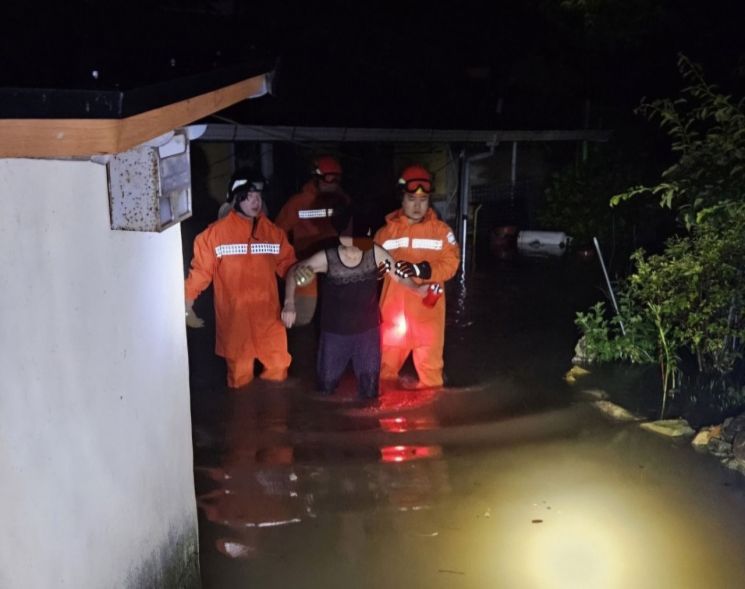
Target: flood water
(502,479)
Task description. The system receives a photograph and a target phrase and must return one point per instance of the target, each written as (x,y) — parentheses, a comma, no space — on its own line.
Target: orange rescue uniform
(407,324)
(308,226)
(241,257)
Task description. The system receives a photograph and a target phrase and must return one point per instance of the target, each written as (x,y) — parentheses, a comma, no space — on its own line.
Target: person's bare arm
(300,274)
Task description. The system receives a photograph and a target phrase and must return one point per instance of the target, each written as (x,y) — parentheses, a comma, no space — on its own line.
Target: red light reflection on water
(407,453)
(400,424)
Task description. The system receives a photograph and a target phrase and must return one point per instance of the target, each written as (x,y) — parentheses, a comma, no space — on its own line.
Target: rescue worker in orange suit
(425,249)
(308,225)
(241,254)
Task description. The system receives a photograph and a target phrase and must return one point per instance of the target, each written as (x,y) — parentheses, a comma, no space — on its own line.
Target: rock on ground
(705,434)
(669,427)
(733,426)
(738,446)
(615,411)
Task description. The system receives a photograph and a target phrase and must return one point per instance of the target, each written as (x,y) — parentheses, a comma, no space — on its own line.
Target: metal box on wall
(150,186)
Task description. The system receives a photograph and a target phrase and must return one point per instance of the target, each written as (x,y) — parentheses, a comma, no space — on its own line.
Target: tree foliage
(707,130)
(691,295)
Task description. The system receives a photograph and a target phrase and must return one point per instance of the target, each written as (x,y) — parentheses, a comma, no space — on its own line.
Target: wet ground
(502,479)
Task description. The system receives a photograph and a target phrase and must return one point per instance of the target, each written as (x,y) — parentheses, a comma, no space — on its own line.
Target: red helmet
(416,179)
(326,164)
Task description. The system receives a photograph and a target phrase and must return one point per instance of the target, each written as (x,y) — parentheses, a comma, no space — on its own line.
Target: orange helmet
(327,165)
(415,179)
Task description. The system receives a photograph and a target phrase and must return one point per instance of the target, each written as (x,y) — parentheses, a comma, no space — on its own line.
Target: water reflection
(503,482)
(551,501)
(255,485)
(406,453)
(419,483)
(398,424)
(268,476)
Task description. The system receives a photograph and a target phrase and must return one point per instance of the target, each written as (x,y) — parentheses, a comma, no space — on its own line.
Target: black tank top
(350,295)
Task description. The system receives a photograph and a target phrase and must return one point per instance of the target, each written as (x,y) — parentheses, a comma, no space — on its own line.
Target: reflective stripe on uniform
(231,249)
(315,213)
(426,244)
(394,244)
(265,248)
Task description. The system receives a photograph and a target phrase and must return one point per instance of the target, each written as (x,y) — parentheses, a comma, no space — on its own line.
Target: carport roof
(268,133)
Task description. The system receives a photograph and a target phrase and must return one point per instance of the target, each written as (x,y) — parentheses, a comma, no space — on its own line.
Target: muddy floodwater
(502,479)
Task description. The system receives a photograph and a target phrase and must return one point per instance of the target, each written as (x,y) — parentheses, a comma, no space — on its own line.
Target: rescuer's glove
(304,275)
(192,320)
(383,268)
(420,270)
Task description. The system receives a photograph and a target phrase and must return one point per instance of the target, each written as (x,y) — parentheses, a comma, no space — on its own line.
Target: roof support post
(465,199)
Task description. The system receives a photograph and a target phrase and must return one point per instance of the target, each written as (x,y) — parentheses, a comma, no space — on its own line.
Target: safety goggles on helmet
(414,185)
(247,186)
(328,178)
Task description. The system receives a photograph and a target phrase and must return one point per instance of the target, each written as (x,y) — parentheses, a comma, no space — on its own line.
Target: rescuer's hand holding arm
(407,269)
(304,275)
(385,263)
(301,274)
(384,268)
(192,320)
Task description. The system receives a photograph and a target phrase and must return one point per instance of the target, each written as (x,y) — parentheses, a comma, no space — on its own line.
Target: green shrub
(690,297)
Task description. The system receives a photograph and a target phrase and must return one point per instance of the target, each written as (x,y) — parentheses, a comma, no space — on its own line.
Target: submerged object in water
(548,243)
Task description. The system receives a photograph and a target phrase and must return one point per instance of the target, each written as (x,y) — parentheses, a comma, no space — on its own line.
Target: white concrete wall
(95,446)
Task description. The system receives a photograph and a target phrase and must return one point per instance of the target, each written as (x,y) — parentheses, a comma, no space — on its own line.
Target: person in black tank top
(350,315)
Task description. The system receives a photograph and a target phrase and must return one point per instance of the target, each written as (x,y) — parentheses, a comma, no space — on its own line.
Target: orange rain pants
(408,326)
(242,258)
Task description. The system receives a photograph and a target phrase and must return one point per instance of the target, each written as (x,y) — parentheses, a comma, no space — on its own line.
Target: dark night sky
(350,63)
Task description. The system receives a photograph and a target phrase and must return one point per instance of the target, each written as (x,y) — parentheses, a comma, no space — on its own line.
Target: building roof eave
(76,137)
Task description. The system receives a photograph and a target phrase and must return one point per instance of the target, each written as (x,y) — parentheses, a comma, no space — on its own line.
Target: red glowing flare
(399,325)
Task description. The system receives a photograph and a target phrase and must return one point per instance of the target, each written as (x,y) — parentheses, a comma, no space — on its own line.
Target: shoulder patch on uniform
(451,238)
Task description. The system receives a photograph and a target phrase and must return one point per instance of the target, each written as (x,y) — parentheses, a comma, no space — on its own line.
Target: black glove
(420,270)
(383,268)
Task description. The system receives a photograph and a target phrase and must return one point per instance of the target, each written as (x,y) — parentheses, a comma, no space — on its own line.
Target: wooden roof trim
(60,138)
